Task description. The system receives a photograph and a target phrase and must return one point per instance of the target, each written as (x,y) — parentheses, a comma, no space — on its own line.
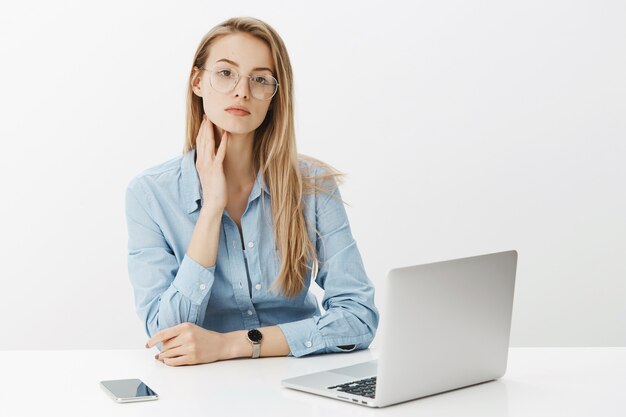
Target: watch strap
(256,350)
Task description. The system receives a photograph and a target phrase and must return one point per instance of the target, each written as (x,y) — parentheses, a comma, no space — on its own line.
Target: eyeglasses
(224,80)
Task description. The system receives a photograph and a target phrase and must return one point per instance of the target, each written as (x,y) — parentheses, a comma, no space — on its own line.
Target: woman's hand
(189,344)
(209,165)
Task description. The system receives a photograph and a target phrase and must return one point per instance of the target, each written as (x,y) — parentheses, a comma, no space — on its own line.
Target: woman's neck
(238,164)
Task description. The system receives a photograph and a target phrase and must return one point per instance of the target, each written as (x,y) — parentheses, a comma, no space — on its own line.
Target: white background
(464,128)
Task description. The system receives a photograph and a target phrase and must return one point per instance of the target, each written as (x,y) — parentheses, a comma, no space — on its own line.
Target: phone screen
(126,390)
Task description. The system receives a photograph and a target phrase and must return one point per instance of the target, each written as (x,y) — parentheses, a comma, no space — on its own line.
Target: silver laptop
(445,325)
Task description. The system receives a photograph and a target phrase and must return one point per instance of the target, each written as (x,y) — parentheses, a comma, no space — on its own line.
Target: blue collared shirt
(162,206)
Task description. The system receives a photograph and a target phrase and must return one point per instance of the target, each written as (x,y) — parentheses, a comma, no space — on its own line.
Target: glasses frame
(249,77)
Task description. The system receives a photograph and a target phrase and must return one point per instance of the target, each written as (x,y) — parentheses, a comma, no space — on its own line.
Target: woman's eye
(224,73)
(260,80)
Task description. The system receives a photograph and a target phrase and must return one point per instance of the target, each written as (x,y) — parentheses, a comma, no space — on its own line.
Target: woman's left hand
(189,344)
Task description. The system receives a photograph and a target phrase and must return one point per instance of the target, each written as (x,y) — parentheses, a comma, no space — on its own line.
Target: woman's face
(242,53)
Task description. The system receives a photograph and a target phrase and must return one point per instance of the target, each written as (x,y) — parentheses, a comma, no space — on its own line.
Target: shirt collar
(191,186)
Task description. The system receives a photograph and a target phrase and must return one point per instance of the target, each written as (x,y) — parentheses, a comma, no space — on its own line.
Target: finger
(221,152)
(180,360)
(171,344)
(199,134)
(204,135)
(172,353)
(200,142)
(210,137)
(163,335)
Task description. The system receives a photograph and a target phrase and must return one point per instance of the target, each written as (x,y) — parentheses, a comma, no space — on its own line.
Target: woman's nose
(242,88)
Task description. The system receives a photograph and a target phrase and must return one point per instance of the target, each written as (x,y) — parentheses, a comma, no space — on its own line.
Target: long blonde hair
(274,154)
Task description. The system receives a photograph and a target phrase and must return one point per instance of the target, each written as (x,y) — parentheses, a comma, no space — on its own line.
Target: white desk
(539,382)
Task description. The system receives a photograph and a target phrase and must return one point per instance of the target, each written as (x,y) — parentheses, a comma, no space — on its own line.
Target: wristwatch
(255,336)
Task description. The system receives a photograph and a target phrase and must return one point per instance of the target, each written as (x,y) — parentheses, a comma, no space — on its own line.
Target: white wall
(465,128)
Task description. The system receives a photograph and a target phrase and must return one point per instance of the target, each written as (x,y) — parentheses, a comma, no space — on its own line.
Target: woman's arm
(273,343)
(205,237)
(351,318)
(168,291)
(189,344)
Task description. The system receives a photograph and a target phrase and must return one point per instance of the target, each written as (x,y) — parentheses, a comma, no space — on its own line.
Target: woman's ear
(195,82)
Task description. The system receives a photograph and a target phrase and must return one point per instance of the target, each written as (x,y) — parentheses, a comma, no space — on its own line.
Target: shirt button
(249,312)
(251,244)
(257,286)
(240,284)
(308,343)
(202,287)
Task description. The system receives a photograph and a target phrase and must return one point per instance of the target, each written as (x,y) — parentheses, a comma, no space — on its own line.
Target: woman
(225,240)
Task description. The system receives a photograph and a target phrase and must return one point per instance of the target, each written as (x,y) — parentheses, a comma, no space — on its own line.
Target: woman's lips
(237,112)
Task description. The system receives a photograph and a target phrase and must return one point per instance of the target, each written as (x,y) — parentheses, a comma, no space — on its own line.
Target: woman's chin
(236,129)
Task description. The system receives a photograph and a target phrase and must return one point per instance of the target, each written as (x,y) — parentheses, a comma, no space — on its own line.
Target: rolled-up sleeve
(350,319)
(167,292)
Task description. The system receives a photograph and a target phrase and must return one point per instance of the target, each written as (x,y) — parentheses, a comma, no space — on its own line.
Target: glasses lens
(223,79)
(263,87)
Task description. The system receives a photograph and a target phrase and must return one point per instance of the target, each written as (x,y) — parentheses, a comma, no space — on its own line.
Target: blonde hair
(274,154)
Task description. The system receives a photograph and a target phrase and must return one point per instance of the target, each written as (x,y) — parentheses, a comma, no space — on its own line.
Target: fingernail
(147,345)
(156,356)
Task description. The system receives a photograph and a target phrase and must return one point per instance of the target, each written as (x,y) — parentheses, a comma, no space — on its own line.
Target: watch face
(255,335)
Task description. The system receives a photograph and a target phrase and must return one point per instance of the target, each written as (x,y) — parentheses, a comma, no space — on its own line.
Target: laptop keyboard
(364,387)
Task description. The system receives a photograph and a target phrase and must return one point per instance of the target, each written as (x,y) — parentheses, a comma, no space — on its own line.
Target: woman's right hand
(210,165)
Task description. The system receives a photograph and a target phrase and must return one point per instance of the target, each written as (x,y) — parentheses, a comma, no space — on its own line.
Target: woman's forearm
(273,343)
(205,238)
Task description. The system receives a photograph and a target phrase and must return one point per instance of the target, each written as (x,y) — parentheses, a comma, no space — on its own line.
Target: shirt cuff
(303,337)
(193,280)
